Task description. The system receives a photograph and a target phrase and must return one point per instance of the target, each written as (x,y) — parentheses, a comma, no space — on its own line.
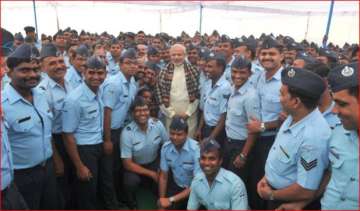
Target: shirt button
(352,179)
(342,199)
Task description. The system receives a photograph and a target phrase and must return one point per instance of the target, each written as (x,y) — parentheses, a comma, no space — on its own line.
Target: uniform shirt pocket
(272,104)
(91,112)
(23,124)
(284,159)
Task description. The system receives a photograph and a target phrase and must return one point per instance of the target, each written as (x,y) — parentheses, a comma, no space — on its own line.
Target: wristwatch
(262,127)
(172,199)
(242,157)
(271,197)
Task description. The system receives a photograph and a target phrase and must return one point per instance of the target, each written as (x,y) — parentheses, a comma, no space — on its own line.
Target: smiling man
(29,120)
(56,89)
(83,134)
(179,164)
(78,61)
(243,104)
(140,144)
(216,188)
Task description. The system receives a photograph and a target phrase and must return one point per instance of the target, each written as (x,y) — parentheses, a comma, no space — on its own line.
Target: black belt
(235,140)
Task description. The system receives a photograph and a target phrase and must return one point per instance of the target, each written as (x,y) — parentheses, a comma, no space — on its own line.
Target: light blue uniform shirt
(118,93)
(83,116)
(55,95)
(299,153)
(7,168)
(5,81)
(143,147)
(227,71)
(227,192)
(269,92)
(243,104)
(73,77)
(29,127)
(184,164)
(215,100)
(113,67)
(342,191)
(256,70)
(331,117)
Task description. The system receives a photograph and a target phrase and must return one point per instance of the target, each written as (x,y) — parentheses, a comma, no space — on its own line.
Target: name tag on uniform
(157,137)
(125,96)
(93,111)
(24,119)
(136,143)
(188,163)
(334,153)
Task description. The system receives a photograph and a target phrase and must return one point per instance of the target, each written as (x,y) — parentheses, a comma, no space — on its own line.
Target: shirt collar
(221,81)
(185,147)
(89,94)
(14,96)
(220,177)
(296,128)
(243,89)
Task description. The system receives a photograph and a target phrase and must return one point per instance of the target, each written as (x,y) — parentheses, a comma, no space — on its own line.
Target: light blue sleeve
(310,167)
(163,133)
(110,95)
(70,116)
(197,168)
(193,202)
(163,163)
(239,199)
(225,94)
(252,107)
(125,144)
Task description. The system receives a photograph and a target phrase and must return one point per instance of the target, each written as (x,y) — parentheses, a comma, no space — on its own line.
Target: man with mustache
(56,89)
(29,120)
(78,61)
(298,158)
(268,87)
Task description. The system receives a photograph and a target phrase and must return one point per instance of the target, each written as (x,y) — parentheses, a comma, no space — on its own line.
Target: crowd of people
(201,122)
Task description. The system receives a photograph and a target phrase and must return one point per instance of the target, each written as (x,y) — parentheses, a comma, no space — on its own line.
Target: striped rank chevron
(308,165)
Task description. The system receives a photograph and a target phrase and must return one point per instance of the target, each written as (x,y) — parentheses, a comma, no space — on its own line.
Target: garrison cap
(270,42)
(6,42)
(48,50)
(25,51)
(82,50)
(178,123)
(153,66)
(294,46)
(209,144)
(344,77)
(204,53)
(152,51)
(241,63)
(219,57)
(19,36)
(314,45)
(29,29)
(328,53)
(129,53)
(306,82)
(95,62)
(306,57)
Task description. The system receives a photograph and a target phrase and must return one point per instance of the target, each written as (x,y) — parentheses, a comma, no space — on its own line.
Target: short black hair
(309,103)
(354,91)
(138,102)
(319,68)
(209,145)
(14,62)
